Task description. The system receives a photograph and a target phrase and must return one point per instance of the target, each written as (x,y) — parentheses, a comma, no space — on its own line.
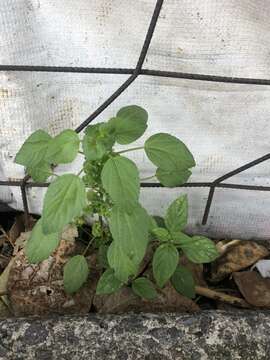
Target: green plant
(107,188)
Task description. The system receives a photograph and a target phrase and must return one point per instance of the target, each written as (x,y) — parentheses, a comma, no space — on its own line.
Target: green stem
(87,247)
(81,153)
(79,173)
(131,149)
(148,178)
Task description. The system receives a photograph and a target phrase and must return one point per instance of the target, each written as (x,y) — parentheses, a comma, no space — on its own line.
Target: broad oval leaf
(40,246)
(40,172)
(168,153)
(177,214)
(34,149)
(144,288)
(120,178)
(165,261)
(76,272)
(130,124)
(108,283)
(122,265)
(130,231)
(63,148)
(173,177)
(65,199)
(199,249)
(183,282)
(161,234)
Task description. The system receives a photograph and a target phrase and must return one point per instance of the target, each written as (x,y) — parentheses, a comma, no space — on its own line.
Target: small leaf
(75,273)
(130,231)
(123,267)
(63,148)
(108,283)
(130,124)
(40,172)
(199,249)
(98,140)
(102,256)
(65,199)
(173,177)
(183,282)
(168,153)
(160,221)
(177,214)
(120,178)
(34,149)
(40,246)
(165,261)
(144,288)
(161,234)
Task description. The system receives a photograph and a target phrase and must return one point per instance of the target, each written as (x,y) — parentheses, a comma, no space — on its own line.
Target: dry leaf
(238,257)
(254,288)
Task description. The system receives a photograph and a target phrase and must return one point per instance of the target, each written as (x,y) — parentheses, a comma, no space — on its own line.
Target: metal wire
(134,73)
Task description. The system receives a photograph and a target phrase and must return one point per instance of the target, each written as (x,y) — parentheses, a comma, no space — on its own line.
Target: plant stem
(79,173)
(80,152)
(131,149)
(87,247)
(148,178)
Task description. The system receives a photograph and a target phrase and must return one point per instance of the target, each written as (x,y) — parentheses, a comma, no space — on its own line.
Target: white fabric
(225,125)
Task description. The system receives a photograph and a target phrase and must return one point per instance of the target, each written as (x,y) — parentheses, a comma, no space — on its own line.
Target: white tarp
(225,125)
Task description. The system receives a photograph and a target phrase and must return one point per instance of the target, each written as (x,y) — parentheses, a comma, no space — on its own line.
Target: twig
(215,295)
(223,248)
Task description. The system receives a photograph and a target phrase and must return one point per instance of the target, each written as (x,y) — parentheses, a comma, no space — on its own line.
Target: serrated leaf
(98,140)
(172,178)
(40,246)
(144,288)
(130,231)
(122,265)
(63,148)
(165,261)
(183,282)
(168,153)
(108,283)
(34,149)
(130,124)
(120,178)
(40,172)
(199,249)
(65,199)
(76,272)
(177,214)
(161,234)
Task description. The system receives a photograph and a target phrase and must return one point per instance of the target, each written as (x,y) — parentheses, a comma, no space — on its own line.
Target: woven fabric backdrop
(224,125)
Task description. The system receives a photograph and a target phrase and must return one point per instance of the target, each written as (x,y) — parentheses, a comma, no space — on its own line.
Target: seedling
(107,189)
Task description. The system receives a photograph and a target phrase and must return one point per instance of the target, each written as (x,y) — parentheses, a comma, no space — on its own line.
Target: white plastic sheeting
(224,125)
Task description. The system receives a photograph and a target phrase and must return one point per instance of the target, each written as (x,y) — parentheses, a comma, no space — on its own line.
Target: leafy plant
(108,188)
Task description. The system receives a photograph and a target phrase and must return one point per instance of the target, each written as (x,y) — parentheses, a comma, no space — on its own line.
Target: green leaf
(160,221)
(183,282)
(102,256)
(130,124)
(98,140)
(40,172)
(180,238)
(65,199)
(177,214)
(120,178)
(34,149)
(144,288)
(108,283)
(76,272)
(161,234)
(40,246)
(165,261)
(199,249)
(173,177)
(122,265)
(168,153)
(63,148)
(130,231)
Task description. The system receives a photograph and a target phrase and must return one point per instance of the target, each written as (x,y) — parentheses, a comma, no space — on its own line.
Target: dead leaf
(238,257)
(124,300)
(263,266)
(254,288)
(38,289)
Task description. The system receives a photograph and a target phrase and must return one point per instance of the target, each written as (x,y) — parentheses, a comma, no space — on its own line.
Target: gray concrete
(206,335)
